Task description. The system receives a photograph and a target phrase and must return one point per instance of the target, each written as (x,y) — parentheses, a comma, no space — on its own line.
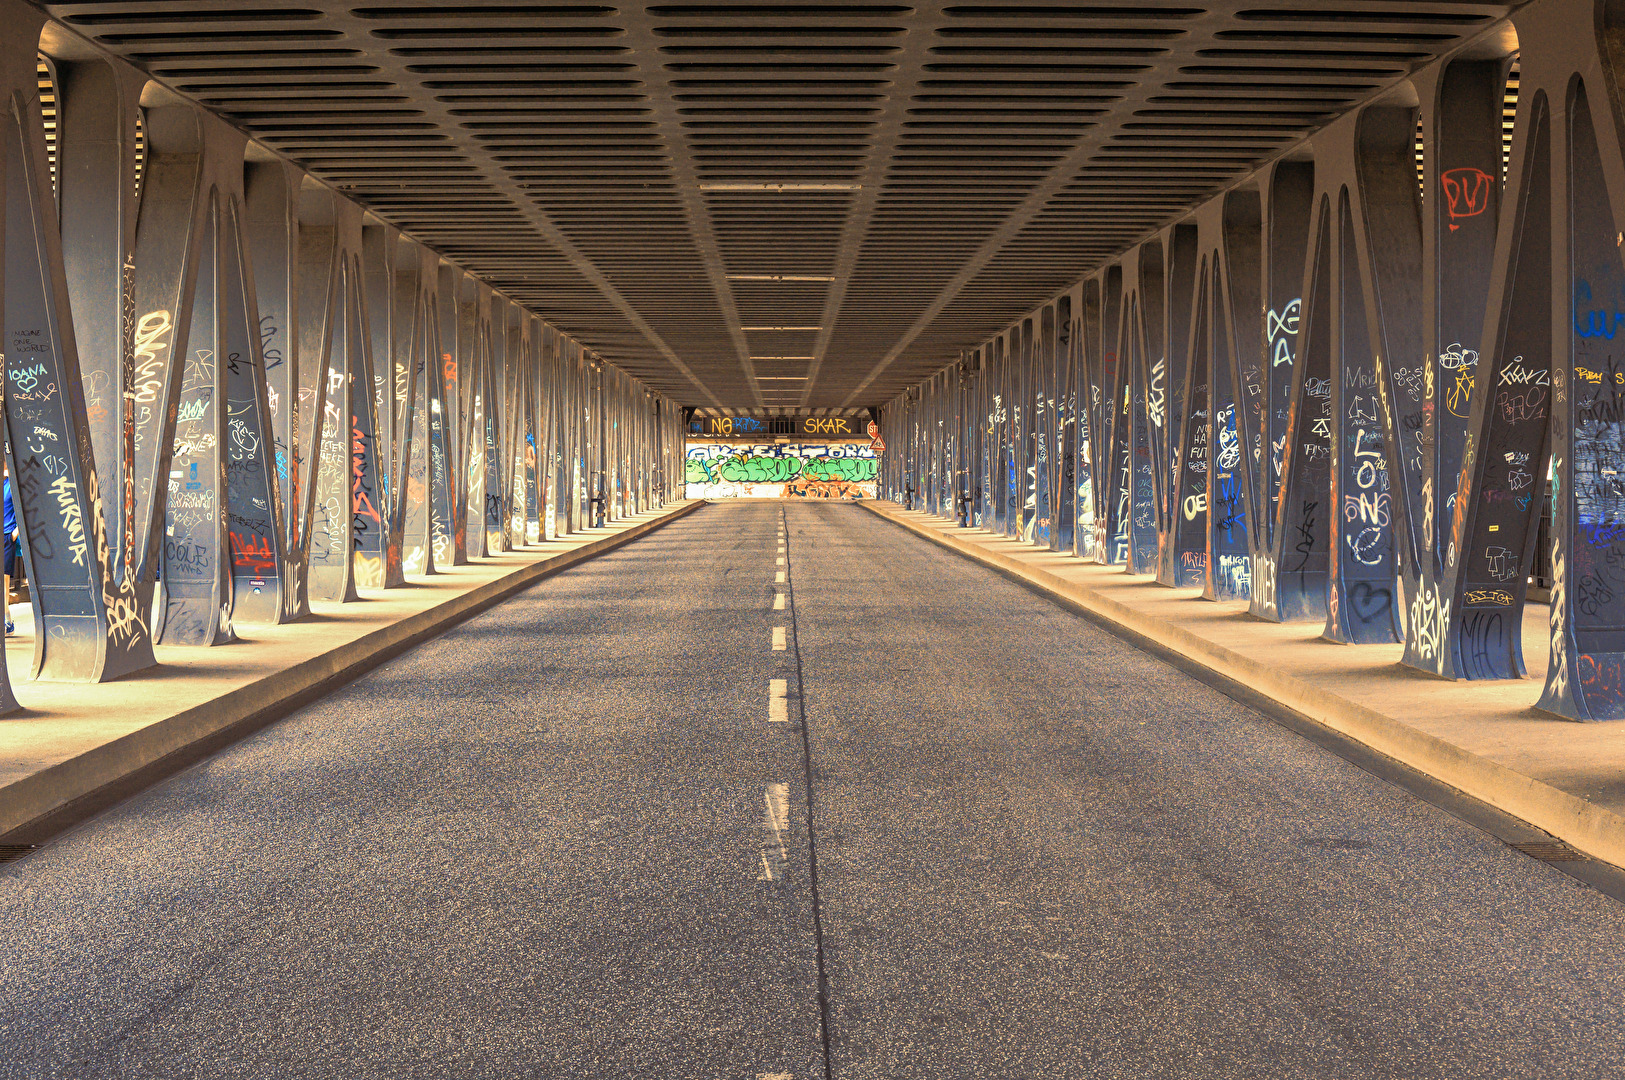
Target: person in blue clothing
(11,546)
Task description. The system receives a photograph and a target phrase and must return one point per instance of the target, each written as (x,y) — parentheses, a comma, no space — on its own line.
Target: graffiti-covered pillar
(1183,553)
(255,510)
(89,623)
(1110,475)
(1141,524)
(195,583)
(474,460)
(369,524)
(330,253)
(558,408)
(389,322)
(1228,573)
(1063,456)
(417,286)
(1239,329)
(1044,427)
(1361,602)
(1288,200)
(1087,378)
(457,297)
(504,424)
(223,514)
(521,458)
(1015,412)
(1483,549)
(535,372)
(1301,529)
(1170,383)
(1586,675)
(271,230)
(1185,538)
(97,116)
(998,437)
(979,423)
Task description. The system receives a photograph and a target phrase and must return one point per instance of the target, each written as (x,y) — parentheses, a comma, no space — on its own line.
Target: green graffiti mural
(759,470)
(813,470)
(852,470)
(780,470)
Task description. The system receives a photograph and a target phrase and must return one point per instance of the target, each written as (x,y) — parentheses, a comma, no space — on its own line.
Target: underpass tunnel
(842,539)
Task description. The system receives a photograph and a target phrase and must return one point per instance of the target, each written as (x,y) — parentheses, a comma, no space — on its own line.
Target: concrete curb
(1596,831)
(41,804)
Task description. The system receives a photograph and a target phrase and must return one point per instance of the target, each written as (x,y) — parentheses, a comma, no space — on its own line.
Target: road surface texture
(570,839)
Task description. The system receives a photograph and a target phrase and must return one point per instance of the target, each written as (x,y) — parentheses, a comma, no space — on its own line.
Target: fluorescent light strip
(780,277)
(786,186)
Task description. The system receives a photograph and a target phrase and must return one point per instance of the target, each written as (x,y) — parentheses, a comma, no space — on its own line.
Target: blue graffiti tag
(1598,323)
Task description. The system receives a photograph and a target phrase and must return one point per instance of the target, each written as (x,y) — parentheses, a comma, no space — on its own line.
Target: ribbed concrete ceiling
(763,205)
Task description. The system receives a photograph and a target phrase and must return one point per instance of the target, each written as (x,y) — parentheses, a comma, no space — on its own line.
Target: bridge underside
(1309,306)
(328,326)
(753,205)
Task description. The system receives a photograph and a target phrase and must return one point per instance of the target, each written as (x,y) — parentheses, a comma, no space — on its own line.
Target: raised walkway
(1483,739)
(75,747)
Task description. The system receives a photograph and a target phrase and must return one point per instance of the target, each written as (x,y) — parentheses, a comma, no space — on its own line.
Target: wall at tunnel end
(828,469)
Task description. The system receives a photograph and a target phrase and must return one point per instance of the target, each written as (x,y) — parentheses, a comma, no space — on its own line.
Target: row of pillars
(1349,388)
(229,390)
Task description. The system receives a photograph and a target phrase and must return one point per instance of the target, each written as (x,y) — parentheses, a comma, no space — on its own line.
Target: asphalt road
(567,840)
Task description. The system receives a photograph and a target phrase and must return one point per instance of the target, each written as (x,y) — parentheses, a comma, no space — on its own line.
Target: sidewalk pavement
(1484,739)
(76,747)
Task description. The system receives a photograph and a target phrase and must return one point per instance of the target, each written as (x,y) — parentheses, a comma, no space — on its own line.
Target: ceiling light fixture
(755,329)
(782,358)
(787,186)
(780,277)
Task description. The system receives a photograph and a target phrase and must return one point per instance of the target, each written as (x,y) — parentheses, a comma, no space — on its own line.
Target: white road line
(778,639)
(778,709)
(778,601)
(778,809)
(774,857)
(779,561)
(774,1076)
(778,578)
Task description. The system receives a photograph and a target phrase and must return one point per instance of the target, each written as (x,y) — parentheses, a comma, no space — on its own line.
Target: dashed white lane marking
(778,709)
(774,1076)
(774,857)
(778,639)
(778,601)
(779,561)
(778,578)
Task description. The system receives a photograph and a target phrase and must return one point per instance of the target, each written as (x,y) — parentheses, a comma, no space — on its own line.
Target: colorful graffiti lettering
(1467,193)
(818,471)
